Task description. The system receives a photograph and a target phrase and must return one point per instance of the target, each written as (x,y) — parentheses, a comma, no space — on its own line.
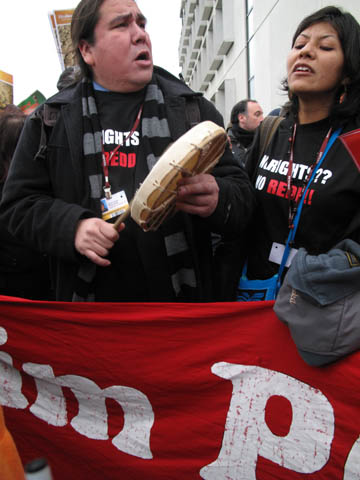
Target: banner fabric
(173,392)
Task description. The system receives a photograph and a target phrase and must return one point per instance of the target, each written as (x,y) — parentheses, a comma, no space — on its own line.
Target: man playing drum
(110,129)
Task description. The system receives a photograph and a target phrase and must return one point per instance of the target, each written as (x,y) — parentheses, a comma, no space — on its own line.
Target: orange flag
(10,463)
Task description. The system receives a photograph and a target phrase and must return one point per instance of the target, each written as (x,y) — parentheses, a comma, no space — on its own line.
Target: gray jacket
(320,302)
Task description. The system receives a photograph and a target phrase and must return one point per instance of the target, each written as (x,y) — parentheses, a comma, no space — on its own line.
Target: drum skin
(197,151)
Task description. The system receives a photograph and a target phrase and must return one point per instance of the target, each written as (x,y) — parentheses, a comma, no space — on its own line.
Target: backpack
(267,128)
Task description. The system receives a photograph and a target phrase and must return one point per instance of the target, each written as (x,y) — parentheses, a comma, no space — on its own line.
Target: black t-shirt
(330,212)
(128,278)
(118,113)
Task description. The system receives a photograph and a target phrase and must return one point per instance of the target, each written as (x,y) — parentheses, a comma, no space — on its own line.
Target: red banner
(173,391)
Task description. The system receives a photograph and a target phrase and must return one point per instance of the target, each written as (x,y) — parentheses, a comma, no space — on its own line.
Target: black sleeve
(28,207)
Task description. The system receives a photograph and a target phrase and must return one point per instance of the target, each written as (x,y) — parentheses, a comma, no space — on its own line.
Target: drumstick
(122,217)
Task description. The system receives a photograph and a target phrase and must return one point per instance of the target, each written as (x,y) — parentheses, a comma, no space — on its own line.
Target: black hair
(11,124)
(348,30)
(240,107)
(83,23)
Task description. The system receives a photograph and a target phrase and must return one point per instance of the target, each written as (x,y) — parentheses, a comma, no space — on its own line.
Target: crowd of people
(62,170)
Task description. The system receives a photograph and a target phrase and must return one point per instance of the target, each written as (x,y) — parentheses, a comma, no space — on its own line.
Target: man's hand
(94,238)
(198,195)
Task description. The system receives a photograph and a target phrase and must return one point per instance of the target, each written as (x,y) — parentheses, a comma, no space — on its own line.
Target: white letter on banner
(10,379)
(305,449)
(138,421)
(91,421)
(352,465)
(50,404)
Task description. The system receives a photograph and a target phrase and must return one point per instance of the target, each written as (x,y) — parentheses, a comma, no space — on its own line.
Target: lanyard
(105,164)
(292,205)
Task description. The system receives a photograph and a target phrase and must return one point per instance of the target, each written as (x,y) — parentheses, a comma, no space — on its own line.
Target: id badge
(114,206)
(277,252)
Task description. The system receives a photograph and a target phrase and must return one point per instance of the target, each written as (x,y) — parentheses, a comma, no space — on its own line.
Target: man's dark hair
(83,23)
(11,124)
(240,107)
(348,30)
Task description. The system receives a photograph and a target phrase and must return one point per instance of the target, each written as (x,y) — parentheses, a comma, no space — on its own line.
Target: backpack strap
(267,129)
(48,116)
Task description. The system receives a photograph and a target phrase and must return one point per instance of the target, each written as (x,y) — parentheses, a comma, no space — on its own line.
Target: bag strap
(48,117)
(268,128)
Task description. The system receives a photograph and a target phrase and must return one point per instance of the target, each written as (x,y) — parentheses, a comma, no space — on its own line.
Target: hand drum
(197,151)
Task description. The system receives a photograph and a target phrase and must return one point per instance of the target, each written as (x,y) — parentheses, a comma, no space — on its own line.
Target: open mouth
(303,68)
(143,56)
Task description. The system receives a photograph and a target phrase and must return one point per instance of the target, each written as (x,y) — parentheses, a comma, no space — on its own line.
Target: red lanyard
(290,194)
(105,164)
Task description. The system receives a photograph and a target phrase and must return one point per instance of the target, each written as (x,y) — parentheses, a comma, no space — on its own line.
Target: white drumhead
(197,151)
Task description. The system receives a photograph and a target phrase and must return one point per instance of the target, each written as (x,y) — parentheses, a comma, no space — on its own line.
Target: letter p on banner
(306,447)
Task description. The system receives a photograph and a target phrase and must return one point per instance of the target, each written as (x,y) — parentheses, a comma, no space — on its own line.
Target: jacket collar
(170,84)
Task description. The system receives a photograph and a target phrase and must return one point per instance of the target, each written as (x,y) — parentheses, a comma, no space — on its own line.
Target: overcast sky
(28,49)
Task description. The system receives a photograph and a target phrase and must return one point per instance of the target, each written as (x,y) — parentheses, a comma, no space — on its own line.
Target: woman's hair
(348,30)
(83,23)
(11,125)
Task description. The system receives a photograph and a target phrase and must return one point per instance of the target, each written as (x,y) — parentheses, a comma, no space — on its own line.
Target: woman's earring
(343,95)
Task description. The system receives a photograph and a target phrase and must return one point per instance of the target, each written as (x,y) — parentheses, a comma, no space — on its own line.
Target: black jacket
(44,196)
(241,141)
(23,271)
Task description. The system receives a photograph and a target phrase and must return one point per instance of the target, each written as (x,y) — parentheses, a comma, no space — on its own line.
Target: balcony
(206,7)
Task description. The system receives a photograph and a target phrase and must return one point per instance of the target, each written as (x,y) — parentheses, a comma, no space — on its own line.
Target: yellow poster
(6,89)
(60,21)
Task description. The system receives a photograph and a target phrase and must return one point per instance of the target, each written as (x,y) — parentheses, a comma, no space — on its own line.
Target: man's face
(121,57)
(253,118)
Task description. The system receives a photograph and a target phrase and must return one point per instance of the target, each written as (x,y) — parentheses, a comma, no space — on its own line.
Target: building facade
(235,49)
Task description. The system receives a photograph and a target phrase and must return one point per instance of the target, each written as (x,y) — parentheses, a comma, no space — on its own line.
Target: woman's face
(315,64)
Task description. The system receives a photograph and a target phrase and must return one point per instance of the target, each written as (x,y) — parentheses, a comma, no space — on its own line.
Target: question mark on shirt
(327,174)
